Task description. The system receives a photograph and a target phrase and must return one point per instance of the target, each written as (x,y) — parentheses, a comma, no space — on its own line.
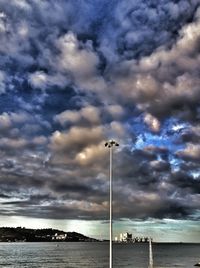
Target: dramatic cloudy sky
(75,73)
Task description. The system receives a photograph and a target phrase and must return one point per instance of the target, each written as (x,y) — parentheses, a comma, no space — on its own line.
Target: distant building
(140,239)
(59,237)
(125,237)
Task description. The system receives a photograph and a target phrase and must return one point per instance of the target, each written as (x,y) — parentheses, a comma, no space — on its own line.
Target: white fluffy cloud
(2,82)
(80,61)
(91,154)
(192,151)
(152,122)
(5,121)
(8,120)
(76,138)
(85,145)
(88,113)
(41,80)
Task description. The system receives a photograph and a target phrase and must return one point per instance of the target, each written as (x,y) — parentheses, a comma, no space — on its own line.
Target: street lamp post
(150,253)
(110,145)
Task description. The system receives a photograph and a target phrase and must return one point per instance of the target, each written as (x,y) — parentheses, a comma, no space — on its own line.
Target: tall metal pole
(110,145)
(111,229)
(150,254)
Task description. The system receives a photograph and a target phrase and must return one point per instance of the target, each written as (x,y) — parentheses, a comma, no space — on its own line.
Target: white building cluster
(59,237)
(128,238)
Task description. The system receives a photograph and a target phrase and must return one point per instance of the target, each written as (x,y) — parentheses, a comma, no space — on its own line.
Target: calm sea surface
(95,255)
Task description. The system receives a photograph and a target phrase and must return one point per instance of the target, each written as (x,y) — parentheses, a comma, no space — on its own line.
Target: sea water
(96,255)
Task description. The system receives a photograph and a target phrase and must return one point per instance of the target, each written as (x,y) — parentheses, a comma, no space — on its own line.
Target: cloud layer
(74,74)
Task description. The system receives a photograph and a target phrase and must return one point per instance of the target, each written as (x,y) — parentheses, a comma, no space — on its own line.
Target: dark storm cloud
(186,182)
(4,196)
(190,137)
(166,82)
(33,28)
(74,73)
(83,193)
(139,22)
(160,209)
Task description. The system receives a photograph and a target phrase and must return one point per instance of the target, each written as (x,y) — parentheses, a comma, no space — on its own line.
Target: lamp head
(111,143)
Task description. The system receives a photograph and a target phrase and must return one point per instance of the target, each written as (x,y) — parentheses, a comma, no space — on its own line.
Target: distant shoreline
(106,242)
(21,234)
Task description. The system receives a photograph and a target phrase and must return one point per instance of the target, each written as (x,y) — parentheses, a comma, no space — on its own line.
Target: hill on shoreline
(22,234)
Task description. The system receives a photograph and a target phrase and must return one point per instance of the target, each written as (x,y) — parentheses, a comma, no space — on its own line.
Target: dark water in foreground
(95,255)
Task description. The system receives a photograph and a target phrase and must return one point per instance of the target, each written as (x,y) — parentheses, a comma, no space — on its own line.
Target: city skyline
(75,74)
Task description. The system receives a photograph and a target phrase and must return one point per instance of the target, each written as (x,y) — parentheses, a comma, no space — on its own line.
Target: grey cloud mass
(74,74)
